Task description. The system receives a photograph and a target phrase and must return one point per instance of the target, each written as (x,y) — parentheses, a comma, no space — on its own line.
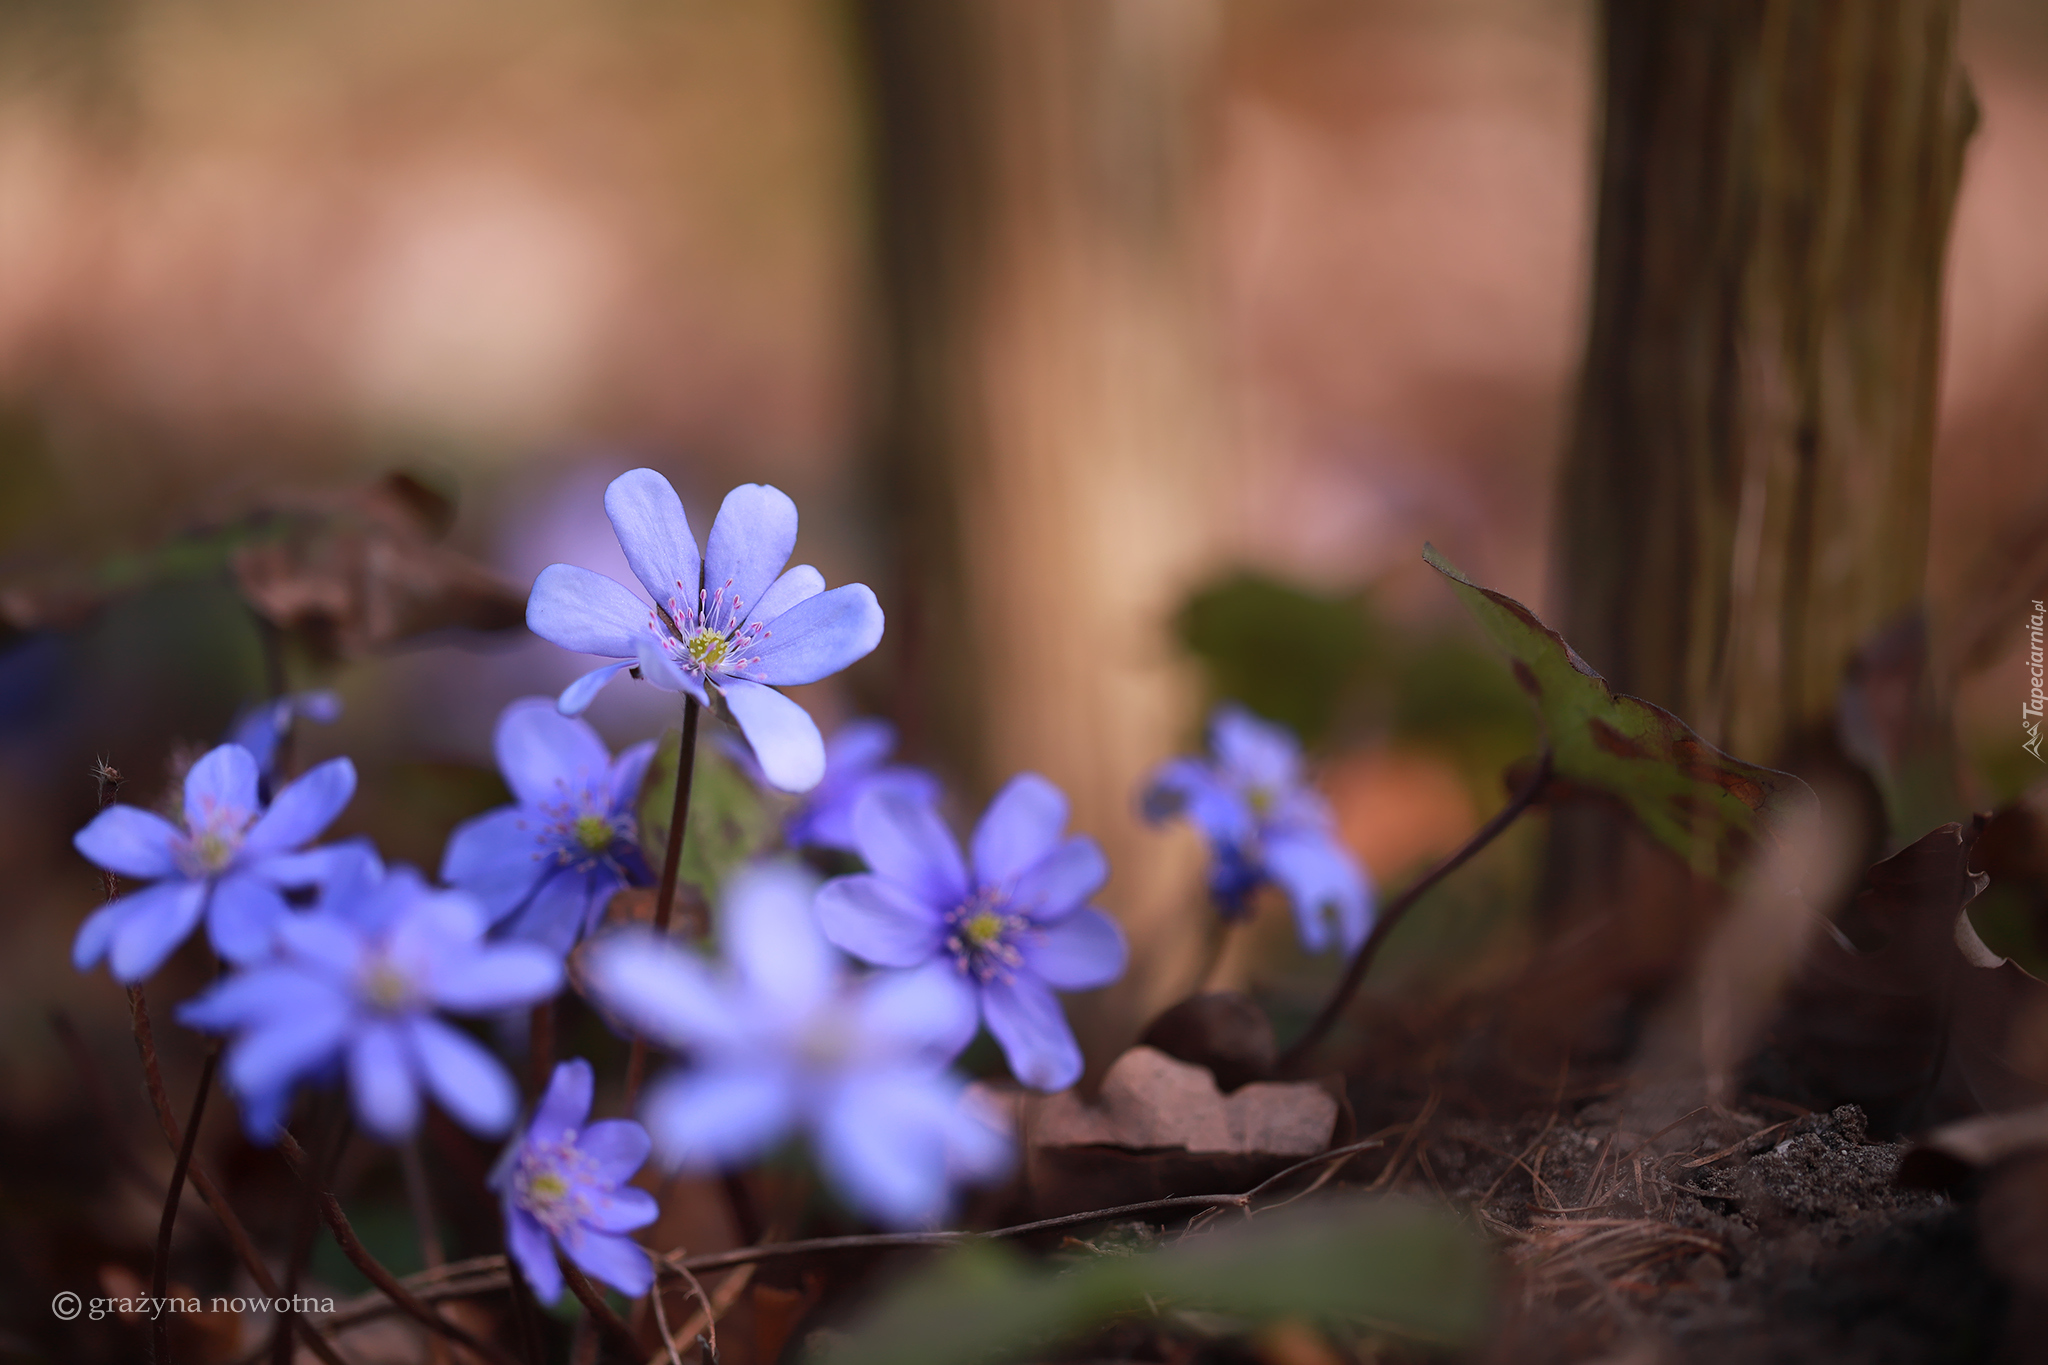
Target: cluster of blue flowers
(832,1009)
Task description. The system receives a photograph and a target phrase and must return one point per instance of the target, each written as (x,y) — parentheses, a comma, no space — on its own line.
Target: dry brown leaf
(1919,1027)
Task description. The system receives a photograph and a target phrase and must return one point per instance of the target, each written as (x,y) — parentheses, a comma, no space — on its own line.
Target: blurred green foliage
(1334,669)
(730,820)
(1391,1265)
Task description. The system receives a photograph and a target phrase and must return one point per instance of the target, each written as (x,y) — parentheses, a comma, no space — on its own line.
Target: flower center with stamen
(1261,800)
(209,849)
(593,833)
(706,650)
(545,1184)
(386,987)
(982,934)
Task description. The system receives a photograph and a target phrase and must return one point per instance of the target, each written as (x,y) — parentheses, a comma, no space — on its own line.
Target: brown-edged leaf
(1923,1023)
(1705,806)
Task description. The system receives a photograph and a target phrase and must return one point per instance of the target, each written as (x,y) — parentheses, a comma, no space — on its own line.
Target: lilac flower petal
(1187,786)
(530,1246)
(224,779)
(827,821)
(1323,883)
(1255,752)
(468,1081)
(750,542)
(859,746)
(506,976)
(879,921)
(247,998)
(547,756)
(783,736)
(622,1210)
(772,937)
(1062,880)
(929,1012)
(578,695)
(628,771)
(979,1143)
(305,807)
(130,841)
(719,1116)
(243,916)
(660,990)
(553,914)
(654,531)
(142,941)
(496,858)
(819,636)
(323,941)
(380,1077)
(273,1056)
(882,1142)
(617,1148)
(98,930)
(799,583)
(435,926)
(1035,1037)
(1079,953)
(658,668)
(565,1104)
(905,841)
(586,612)
(619,1262)
(1020,827)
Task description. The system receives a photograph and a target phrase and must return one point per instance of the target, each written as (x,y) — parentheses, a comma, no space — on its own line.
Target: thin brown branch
(425,1225)
(672,858)
(160,1268)
(374,1271)
(671,1341)
(486,1274)
(618,1338)
(1393,912)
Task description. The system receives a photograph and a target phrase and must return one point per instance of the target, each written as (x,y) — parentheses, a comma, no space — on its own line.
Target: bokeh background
(1147,386)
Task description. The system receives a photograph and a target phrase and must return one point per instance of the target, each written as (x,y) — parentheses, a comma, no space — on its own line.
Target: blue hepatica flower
(359,985)
(1004,931)
(730,621)
(545,868)
(782,1040)
(563,1183)
(230,863)
(259,728)
(856,762)
(1266,825)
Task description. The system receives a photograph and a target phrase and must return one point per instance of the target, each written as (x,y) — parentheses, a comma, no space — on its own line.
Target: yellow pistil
(593,832)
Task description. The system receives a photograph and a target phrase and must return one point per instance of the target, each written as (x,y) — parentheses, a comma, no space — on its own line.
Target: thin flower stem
(431,1255)
(160,1270)
(1391,916)
(665,897)
(374,1271)
(617,1337)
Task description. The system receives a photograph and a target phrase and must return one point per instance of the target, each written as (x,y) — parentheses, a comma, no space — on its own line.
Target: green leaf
(1402,1267)
(1289,654)
(1702,804)
(730,822)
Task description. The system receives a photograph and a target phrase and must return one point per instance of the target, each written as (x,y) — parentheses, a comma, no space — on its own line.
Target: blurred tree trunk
(1745,497)
(1051,429)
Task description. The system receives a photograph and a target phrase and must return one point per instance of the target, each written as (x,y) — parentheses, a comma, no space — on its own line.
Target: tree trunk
(1745,499)
(1052,435)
